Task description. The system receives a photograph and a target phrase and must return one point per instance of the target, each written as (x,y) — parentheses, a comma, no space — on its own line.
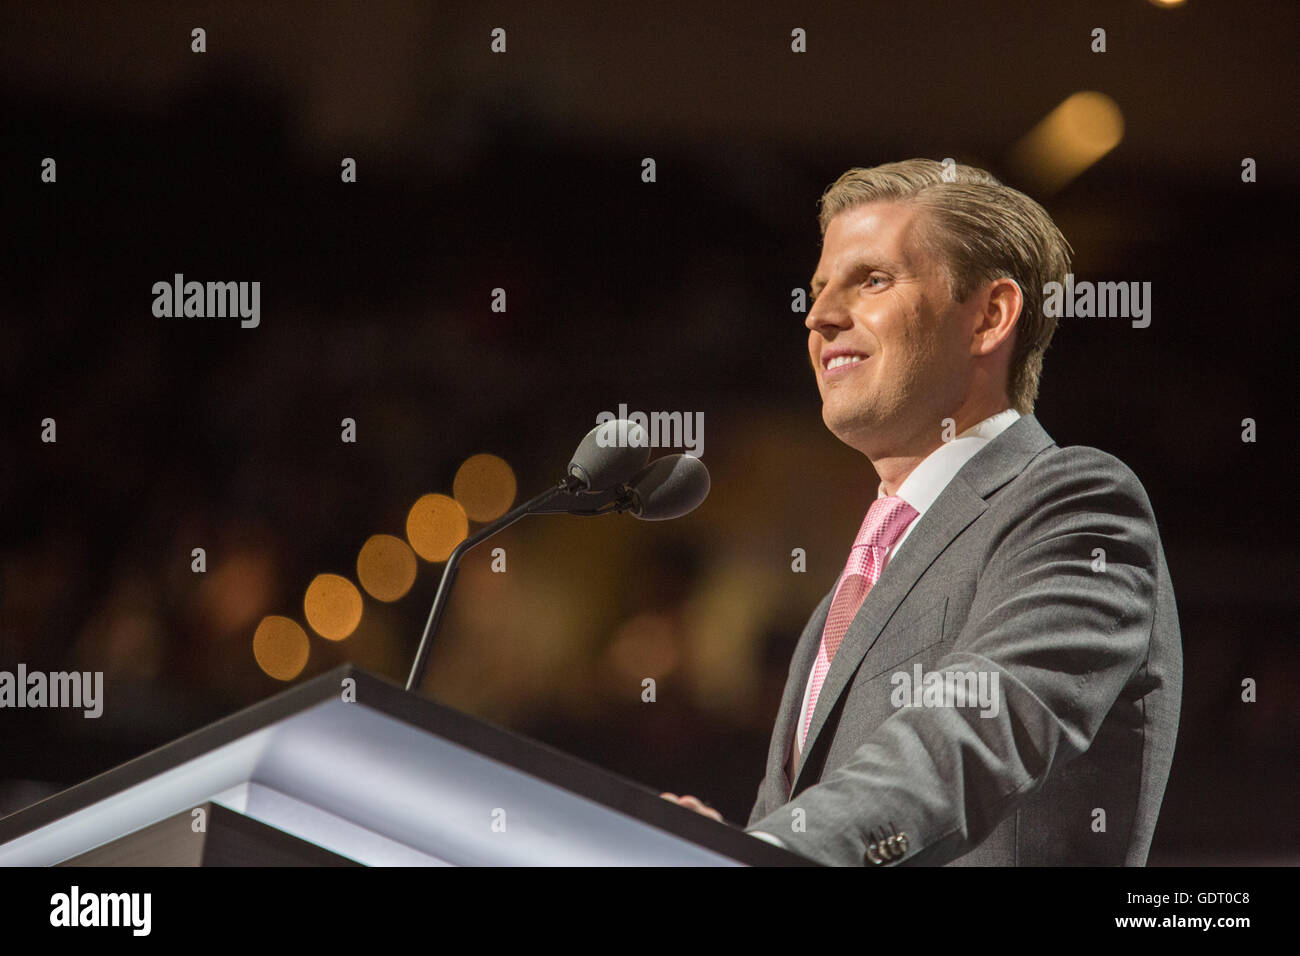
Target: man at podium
(994,678)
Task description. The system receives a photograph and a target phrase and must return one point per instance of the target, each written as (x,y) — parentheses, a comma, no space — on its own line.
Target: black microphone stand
(562,499)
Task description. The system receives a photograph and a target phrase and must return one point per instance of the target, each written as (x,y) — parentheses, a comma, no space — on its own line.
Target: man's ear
(1000,304)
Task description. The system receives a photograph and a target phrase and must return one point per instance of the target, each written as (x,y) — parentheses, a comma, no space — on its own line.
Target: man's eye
(876,277)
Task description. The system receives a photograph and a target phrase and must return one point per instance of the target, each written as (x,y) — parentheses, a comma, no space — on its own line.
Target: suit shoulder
(1064,505)
(1062,469)
(1082,490)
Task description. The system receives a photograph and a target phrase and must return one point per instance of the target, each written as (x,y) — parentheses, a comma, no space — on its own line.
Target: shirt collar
(936,470)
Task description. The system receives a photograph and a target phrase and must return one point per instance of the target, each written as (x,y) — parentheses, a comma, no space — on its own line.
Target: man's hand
(693,803)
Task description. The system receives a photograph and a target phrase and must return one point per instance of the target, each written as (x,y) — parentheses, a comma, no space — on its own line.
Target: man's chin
(853,429)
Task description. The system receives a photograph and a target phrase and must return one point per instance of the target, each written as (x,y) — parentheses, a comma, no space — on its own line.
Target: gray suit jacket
(1038,570)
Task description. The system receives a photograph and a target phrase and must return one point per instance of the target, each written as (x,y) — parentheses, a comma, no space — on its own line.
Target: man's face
(890,347)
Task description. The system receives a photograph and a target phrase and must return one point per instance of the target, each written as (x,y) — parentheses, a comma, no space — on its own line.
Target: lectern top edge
(504,746)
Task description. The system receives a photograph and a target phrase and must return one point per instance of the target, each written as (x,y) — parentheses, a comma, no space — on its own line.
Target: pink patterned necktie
(886,521)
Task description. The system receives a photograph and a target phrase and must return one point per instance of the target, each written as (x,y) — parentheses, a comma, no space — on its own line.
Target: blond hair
(981,231)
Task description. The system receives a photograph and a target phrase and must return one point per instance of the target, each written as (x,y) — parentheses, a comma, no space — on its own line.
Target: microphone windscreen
(611,453)
(669,488)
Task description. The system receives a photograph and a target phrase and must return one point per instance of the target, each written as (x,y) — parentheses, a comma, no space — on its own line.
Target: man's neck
(893,471)
(894,467)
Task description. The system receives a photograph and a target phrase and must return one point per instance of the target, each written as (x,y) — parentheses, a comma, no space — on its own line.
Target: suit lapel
(805,650)
(961,502)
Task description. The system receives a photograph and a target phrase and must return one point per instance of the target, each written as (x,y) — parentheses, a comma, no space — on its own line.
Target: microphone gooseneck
(607,475)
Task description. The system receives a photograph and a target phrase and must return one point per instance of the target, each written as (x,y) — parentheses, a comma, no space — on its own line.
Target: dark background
(522,170)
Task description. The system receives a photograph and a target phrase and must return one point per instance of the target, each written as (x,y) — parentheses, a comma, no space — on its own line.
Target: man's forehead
(883,233)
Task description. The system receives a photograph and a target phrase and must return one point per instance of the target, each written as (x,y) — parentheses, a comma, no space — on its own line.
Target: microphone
(669,488)
(606,475)
(610,454)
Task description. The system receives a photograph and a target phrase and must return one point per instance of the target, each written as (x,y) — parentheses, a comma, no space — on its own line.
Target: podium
(347,769)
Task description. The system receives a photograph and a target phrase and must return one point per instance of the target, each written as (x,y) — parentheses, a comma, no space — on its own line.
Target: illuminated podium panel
(385,779)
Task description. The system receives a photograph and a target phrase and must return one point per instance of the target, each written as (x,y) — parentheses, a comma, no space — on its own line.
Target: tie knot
(886,520)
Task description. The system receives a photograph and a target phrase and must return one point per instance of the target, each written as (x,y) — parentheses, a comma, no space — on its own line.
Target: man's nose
(827,313)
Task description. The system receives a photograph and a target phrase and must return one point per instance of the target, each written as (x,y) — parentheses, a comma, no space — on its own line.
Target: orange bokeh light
(485,486)
(333,606)
(280,647)
(435,525)
(386,567)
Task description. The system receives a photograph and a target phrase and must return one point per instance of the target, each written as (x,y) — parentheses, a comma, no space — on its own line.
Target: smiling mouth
(844,361)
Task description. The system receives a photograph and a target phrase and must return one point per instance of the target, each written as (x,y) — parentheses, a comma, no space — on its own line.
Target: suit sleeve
(1062,637)
(760,804)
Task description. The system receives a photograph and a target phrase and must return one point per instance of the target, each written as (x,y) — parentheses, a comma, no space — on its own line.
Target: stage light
(280,647)
(485,487)
(435,525)
(386,567)
(1081,130)
(332,606)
